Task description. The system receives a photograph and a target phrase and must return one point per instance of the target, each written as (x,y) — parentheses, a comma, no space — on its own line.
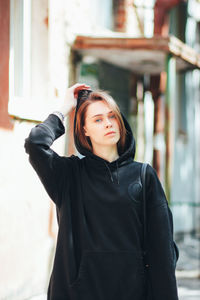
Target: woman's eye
(97,120)
(112,116)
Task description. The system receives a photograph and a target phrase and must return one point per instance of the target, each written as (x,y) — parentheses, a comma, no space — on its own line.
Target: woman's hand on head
(71,95)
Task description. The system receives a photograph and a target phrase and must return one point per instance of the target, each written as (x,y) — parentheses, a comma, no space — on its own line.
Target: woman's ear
(85,131)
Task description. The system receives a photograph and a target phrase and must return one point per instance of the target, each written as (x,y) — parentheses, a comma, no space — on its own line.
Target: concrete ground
(189,288)
(188,269)
(39,297)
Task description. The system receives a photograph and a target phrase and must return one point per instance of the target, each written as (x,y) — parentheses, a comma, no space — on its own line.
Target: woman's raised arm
(51,168)
(48,165)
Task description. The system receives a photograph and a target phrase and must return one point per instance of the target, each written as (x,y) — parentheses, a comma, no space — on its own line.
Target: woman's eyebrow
(102,114)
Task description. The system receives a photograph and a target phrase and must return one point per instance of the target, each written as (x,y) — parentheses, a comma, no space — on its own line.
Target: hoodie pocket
(109,275)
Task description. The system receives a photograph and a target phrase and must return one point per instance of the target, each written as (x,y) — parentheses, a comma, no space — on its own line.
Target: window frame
(35,101)
(17,102)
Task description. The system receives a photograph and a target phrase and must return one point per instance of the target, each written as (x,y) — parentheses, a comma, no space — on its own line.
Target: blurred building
(146,53)
(152,69)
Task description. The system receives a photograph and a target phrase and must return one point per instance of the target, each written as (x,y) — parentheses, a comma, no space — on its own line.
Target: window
(20,45)
(145,14)
(182,105)
(28,64)
(101,13)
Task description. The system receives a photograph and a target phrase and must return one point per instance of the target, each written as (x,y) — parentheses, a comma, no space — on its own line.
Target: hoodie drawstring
(117,172)
(111,177)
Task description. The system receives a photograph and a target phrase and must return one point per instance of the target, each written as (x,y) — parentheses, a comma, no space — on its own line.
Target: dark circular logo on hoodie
(134,191)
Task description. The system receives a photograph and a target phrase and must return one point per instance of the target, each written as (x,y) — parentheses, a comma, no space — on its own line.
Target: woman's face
(99,121)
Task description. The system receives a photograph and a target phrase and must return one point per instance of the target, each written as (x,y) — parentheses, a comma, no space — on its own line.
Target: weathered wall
(26,246)
(27,238)
(4,66)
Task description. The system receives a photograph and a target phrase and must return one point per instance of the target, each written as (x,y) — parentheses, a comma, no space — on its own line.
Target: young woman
(98,200)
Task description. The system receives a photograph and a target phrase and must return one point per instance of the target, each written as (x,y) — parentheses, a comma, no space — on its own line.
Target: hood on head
(129,150)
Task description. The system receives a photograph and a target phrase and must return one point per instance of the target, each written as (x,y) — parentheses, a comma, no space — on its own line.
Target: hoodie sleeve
(161,251)
(49,166)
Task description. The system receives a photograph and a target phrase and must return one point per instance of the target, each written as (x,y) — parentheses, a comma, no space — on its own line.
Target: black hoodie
(99,244)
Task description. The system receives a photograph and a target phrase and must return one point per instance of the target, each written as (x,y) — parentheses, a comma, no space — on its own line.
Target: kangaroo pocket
(109,275)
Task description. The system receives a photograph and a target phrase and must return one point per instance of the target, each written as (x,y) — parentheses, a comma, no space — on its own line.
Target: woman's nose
(108,123)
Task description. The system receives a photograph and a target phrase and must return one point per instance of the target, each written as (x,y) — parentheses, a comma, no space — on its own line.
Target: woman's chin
(111,143)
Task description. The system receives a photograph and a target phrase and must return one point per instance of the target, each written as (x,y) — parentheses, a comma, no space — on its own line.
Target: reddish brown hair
(98,95)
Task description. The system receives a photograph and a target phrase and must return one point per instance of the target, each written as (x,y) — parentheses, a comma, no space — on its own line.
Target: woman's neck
(108,153)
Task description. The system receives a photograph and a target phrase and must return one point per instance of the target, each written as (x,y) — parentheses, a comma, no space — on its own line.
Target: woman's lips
(110,133)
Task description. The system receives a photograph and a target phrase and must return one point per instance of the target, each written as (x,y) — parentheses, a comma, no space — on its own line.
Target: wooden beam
(161,9)
(169,45)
